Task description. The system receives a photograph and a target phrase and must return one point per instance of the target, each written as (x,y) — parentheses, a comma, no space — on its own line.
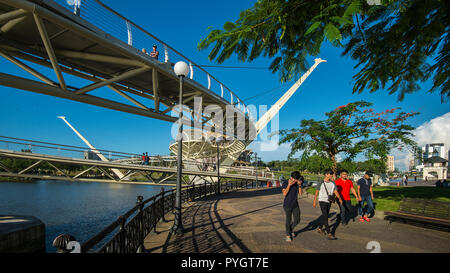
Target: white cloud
(435,131)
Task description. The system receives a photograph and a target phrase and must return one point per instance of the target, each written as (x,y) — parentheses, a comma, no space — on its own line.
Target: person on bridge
(143,158)
(365,191)
(324,191)
(291,190)
(154,53)
(147,159)
(344,186)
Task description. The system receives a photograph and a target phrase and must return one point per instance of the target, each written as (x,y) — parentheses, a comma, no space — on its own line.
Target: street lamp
(181,69)
(217,141)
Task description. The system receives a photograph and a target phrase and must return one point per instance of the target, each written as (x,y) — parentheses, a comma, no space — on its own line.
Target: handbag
(331,198)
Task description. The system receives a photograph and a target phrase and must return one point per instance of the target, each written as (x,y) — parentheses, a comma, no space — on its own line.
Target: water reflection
(79,209)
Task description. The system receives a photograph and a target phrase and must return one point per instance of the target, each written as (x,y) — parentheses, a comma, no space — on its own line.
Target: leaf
(332,33)
(341,20)
(353,8)
(228,26)
(313,27)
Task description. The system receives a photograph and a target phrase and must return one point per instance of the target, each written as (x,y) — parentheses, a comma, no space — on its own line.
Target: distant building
(435,168)
(89,155)
(429,151)
(390,164)
(432,150)
(412,165)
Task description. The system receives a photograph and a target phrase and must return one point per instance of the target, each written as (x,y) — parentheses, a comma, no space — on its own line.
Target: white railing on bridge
(103,17)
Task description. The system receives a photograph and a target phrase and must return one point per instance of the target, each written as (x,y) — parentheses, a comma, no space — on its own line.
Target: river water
(79,209)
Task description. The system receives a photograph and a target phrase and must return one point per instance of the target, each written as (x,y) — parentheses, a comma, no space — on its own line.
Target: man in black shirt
(291,190)
(365,191)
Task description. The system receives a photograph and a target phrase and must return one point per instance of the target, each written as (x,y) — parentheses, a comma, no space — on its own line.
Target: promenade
(252,221)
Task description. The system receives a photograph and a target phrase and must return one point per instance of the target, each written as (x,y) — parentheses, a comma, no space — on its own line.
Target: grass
(389,198)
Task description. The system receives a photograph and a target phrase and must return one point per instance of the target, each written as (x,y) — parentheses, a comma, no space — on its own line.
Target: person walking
(143,158)
(146,159)
(344,186)
(291,189)
(365,192)
(324,192)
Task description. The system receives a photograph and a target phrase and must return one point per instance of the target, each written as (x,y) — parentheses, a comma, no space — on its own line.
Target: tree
(396,44)
(316,163)
(351,130)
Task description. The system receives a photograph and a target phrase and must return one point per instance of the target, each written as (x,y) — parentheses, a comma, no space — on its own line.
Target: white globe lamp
(181,69)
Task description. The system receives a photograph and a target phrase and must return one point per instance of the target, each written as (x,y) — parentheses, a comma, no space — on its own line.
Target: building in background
(435,168)
(89,155)
(427,152)
(390,163)
(432,150)
(412,165)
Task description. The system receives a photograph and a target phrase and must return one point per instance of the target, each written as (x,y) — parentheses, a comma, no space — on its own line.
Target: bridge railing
(70,151)
(126,235)
(48,148)
(110,21)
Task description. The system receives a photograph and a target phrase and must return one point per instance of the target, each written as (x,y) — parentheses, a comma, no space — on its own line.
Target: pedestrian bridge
(90,41)
(50,161)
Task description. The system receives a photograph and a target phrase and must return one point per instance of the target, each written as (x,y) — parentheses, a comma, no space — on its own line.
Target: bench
(431,212)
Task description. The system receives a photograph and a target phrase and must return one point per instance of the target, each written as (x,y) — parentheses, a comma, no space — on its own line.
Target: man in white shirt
(324,192)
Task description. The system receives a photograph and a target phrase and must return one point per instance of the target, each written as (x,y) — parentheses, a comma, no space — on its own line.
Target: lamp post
(256,168)
(219,141)
(181,70)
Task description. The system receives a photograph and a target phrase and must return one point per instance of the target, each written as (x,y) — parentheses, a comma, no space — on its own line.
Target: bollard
(140,203)
(61,242)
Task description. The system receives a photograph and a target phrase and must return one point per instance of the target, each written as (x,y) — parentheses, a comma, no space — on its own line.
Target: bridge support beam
(37,87)
(124,76)
(27,68)
(6,17)
(50,51)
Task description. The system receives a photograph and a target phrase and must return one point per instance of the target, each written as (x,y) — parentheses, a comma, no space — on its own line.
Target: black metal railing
(126,235)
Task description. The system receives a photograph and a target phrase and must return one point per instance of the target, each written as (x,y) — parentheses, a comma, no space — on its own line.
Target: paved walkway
(252,221)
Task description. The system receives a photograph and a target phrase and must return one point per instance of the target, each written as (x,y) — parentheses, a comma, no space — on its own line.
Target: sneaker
(361,220)
(293,235)
(288,239)
(331,237)
(366,218)
(321,231)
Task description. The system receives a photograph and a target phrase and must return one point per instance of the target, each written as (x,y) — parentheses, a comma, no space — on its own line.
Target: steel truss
(157,175)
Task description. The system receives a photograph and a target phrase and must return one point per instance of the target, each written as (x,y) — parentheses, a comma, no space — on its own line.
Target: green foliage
(351,130)
(396,44)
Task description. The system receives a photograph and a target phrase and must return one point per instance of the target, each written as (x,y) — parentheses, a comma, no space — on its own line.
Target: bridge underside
(46,34)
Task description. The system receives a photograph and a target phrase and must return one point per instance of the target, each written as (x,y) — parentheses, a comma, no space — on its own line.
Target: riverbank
(17,179)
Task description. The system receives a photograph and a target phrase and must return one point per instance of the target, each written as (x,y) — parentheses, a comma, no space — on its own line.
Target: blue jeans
(369,201)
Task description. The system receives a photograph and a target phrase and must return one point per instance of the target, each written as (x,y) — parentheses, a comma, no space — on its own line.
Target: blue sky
(182,24)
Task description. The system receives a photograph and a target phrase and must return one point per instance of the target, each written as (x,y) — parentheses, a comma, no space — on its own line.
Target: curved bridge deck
(252,221)
(93,45)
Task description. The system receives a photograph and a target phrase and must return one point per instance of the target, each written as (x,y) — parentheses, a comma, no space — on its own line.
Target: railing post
(140,203)
(122,235)
(162,206)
